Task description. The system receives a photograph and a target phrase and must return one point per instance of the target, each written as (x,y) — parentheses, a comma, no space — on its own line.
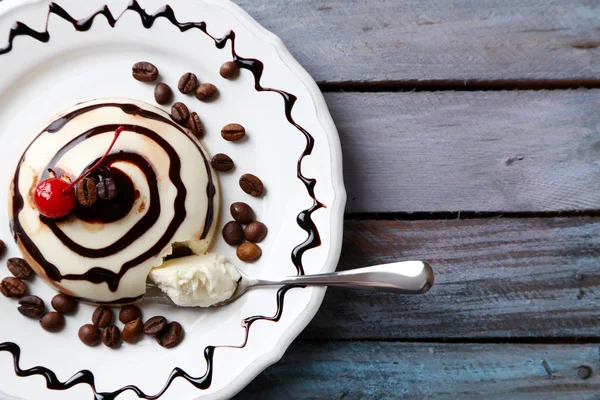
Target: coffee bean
(52,321)
(144,71)
(12,287)
(222,162)
(252,185)
(233,132)
(242,212)
(229,70)
(248,252)
(206,92)
(155,325)
(163,93)
(129,313)
(2,247)
(233,233)
(102,317)
(89,334)
(64,304)
(171,336)
(180,113)
(86,191)
(107,189)
(31,306)
(19,268)
(187,83)
(195,125)
(255,232)
(132,332)
(111,336)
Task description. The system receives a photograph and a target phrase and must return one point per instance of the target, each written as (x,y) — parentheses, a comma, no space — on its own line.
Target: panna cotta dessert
(153,191)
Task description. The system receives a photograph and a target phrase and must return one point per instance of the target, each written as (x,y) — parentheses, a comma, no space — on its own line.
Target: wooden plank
(359,370)
(477,151)
(495,278)
(392,40)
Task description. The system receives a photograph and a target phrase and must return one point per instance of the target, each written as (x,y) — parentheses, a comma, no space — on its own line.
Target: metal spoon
(405,277)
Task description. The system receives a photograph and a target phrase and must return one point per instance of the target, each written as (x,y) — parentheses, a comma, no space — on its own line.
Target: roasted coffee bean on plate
(248,252)
(129,313)
(233,132)
(52,321)
(242,212)
(255,232)
(89,334)
(86,191)
(171,336)
(229,70)
(155,325)
(163,93)
(187,83)
(12,287)
(222,162)
(2,247)
(180,113)
(144,71)
(64,304)
(111,336)
(195,125)
(206,92)
(107,189)
(31,306)
(102,316)
(233,233)
(133,330)
(19,268)
(252,185)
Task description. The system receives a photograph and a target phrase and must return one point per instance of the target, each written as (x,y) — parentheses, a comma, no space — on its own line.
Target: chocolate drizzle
(304,219)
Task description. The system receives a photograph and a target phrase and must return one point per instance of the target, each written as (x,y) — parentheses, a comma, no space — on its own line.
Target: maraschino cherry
(55,198)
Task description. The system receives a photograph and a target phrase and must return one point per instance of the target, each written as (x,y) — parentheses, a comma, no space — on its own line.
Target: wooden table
(471,138)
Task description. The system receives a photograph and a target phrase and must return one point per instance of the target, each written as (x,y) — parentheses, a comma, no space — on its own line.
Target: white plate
(37,80)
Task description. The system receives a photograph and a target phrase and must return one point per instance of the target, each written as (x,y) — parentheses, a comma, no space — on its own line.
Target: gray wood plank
(495,278)
(470,151)
(400,40)
(359,370)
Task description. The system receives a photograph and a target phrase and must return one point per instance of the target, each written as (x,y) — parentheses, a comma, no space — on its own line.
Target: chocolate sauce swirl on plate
(304,219)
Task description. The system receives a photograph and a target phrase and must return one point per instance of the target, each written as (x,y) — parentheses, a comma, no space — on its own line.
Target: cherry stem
(86,173)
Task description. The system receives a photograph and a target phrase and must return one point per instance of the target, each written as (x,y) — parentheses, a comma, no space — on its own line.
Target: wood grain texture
(495,278)
(400,40)
(359,370)
(470,151)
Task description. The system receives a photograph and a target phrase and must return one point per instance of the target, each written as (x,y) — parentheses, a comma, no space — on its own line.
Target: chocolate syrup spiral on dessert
(99,275)
(304,219)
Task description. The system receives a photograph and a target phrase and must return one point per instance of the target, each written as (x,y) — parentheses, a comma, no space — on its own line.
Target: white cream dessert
(197,281)
(167,193)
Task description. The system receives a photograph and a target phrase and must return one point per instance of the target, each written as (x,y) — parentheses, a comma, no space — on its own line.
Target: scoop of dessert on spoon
(405,277)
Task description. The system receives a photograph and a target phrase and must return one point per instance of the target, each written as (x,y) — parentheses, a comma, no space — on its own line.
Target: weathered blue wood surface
(495,278)
(376,370)
(470,151)
(522,280)
(437,40)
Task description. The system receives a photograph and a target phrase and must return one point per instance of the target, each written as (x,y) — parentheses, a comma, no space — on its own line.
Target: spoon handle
(406,277)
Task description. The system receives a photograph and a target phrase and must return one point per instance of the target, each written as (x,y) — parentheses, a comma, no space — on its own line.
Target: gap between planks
(458,85)
(463,215)
(469,340)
